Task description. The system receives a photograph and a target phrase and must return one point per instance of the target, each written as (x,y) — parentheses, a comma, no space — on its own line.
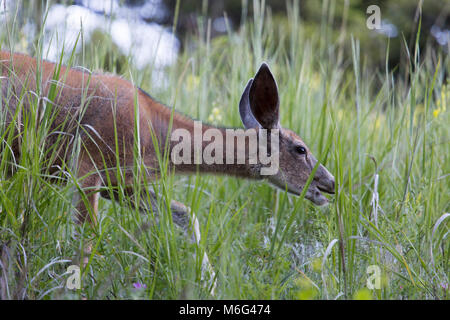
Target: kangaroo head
(259,108)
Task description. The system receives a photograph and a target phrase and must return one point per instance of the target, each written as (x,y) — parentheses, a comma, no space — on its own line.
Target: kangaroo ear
(259,103)
(263,98)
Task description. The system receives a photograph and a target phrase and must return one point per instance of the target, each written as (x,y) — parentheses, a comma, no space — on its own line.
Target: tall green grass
(387,146)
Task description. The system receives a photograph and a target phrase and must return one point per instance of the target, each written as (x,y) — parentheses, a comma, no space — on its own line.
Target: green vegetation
(262,243)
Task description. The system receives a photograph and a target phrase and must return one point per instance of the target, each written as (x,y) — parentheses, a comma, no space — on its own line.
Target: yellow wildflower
(436,112)
(215,116)
(192,82)
(377,123)
(443,101)
(315,81)
(22,44)
(215,111)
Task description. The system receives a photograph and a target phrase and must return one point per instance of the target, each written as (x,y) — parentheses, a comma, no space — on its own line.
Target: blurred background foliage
(338,20)
(342,19)
(401,125)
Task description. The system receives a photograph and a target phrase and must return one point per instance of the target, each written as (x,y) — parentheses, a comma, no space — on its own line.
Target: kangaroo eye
(301,150)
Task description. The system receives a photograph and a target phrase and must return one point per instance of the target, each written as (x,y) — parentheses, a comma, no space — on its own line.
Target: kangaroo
(115,116)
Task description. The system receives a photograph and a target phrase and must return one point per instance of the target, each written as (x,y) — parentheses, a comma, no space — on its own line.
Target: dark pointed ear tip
(264,66)
(264,70)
